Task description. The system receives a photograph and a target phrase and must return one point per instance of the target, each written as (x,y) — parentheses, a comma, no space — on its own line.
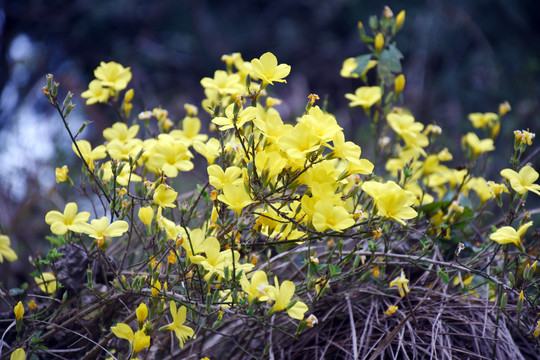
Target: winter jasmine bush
(290,214)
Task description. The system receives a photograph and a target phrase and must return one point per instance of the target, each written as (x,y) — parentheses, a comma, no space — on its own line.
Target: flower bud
(400,18)
(504,108)
(387,12)
(399,83)
(19,311)
(379,42)
(142,313)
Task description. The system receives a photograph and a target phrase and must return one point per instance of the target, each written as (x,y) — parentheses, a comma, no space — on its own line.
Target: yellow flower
(32,305)
(164,196)
(18,354)
(101,230)
(480,120)
(411,131)
(257,288)
(5,250)
(267,69)
(523,181)
(170,156)
(96,93)
(113,75)
(244,115)
(329,216)
(140,341)
(391,310)
(61,174)
(524,137)
(146,214)
(508,234)
(236,196)
(391,200)
(537,329)
(402,284)
(225,84)
(46,282)
(156,286)
(365,96)
(476,145)
(210,150)
(120,131)
(181,331)
(123,331)
(217,177)
(282,295)
(350,65)
(70,220)
(88,154)
(142,313)
(19,311)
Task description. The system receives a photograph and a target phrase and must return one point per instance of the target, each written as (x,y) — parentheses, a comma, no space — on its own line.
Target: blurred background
(461,56)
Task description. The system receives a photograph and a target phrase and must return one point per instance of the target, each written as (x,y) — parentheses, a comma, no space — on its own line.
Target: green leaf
(443,275)
(362,61)
(334,270)
(391,58)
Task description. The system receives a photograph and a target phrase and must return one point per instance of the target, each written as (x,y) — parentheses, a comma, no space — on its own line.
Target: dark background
(460,57)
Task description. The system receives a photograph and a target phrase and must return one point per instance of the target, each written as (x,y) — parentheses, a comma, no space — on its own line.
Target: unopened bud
(387,12)
(504,108)
(400,18)
(399,83)
(379,42)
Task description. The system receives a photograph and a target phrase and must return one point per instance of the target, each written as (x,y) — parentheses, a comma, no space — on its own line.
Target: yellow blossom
(282,296)
(96,93)
(402,284)
(267,69)
(32,305)
(146,215)
(101,230)
(70,220)
(236,196)
(61,174)
(113,75)
(365,96)
(210,150)
(256,288)
(164,196)
(476,145)
(391,310)
(523,181)
(88,154)
(181,331)
(5,249)
(120,131)
(350,65)
(524,137)
(18,354)
(46,282)
(391,200)
(482,120)
(508,234)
